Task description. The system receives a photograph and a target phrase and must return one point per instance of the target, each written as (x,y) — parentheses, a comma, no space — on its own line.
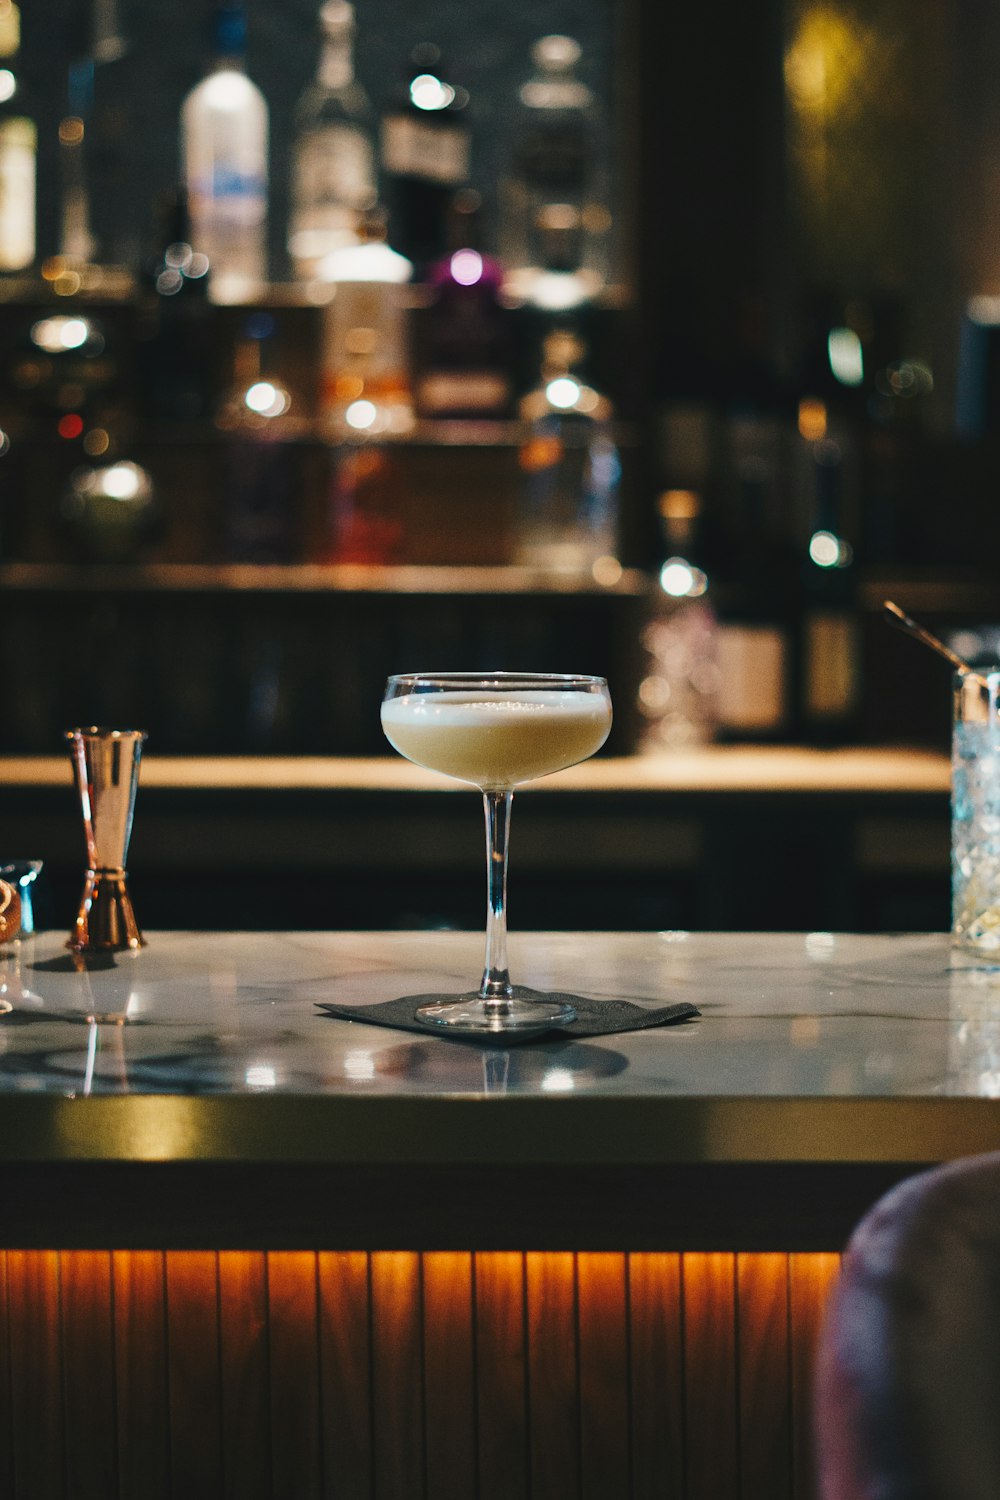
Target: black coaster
(593,1017)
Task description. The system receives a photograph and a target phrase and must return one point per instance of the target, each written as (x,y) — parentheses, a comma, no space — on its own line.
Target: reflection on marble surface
(815,1015)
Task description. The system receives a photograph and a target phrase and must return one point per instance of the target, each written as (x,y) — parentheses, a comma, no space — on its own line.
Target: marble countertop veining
(814,1016)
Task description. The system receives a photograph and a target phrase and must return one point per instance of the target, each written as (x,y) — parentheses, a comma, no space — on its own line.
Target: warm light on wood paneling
(394,1375)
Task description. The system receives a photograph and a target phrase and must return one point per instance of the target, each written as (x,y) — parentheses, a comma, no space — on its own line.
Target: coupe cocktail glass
(495,731)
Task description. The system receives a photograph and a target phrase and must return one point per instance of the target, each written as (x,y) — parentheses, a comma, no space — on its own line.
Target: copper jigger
(106,767)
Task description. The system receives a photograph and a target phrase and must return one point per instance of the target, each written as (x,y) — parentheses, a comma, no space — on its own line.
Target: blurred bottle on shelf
(364,356)
(109,512)
(555,220)
(333,155)
(570,466)
(18,150)
(754,592)
(175,339)
(463,351)
(678,689)
(262,418)
(224,137)
(425,150)
(828,649)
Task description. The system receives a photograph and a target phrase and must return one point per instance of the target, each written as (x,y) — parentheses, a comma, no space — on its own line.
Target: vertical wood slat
(194,1370)
(141,1374)
(243,1345)
(500,1374)
(810,1281)
(553,1406)
(397,1375)
(345,1366)
(765,1394)
(36,1381)
(449,1375)
(710,1392)
(88,1372)
(6,1428)
(295,1406)
(605,1467)
(657,1376)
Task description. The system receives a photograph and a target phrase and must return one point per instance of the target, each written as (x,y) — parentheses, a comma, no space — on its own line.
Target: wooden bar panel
(810,1281)
(657,1375)
(6,1429)
(765,1397)
(36,1373)
(140,1313)
(297,1462)
(196,1466)
(711,1421)
(553,1406)
(449,1375)
(88,1372)
(243,1344)
(400,1376)
(397,1375)
(500,1374)
(604,1385)
(345,1371)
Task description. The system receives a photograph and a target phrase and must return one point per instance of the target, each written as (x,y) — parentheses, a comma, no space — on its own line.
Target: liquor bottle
(333,157)
(828,647)
(224,136)
(261,482)
(425,147)
(555,222)
(175,339)
(364,360)
(18,151)
(678,688)
(754,599)
(571,467)
(463,348)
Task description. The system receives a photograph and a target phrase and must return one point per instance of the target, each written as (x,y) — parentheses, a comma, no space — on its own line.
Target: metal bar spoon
(902,621)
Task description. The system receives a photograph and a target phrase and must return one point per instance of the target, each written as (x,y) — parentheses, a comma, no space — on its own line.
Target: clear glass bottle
(555,222)
(680,678)
(425,148)
(333,156)
(18,151)
(571,468)
(224,142)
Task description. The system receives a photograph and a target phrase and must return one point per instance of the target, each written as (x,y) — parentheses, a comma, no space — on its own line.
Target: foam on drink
(496,742)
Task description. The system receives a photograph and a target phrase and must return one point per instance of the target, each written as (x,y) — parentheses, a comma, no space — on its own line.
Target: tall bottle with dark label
(755,602)
(333,156)
(828,646)
(18,150)
(555,221)
(224,144)
(425,149)
(462,338)
(176,332)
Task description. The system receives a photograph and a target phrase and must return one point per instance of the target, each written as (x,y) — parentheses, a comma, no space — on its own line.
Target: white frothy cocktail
(496,730)
(497,741)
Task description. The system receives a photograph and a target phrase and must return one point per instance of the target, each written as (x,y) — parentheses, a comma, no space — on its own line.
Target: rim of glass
(500,680)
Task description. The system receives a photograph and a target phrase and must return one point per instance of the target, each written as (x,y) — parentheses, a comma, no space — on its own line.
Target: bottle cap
(336,18)
(556,54)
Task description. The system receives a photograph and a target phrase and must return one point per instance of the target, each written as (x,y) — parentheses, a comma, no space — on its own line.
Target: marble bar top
(210,1047)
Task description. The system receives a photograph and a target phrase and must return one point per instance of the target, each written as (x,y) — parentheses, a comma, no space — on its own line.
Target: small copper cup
(106,768)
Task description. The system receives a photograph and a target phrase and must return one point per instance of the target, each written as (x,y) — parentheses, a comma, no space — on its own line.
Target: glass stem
(496,985)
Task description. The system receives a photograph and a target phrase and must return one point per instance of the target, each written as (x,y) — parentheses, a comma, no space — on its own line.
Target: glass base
(472,1013)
